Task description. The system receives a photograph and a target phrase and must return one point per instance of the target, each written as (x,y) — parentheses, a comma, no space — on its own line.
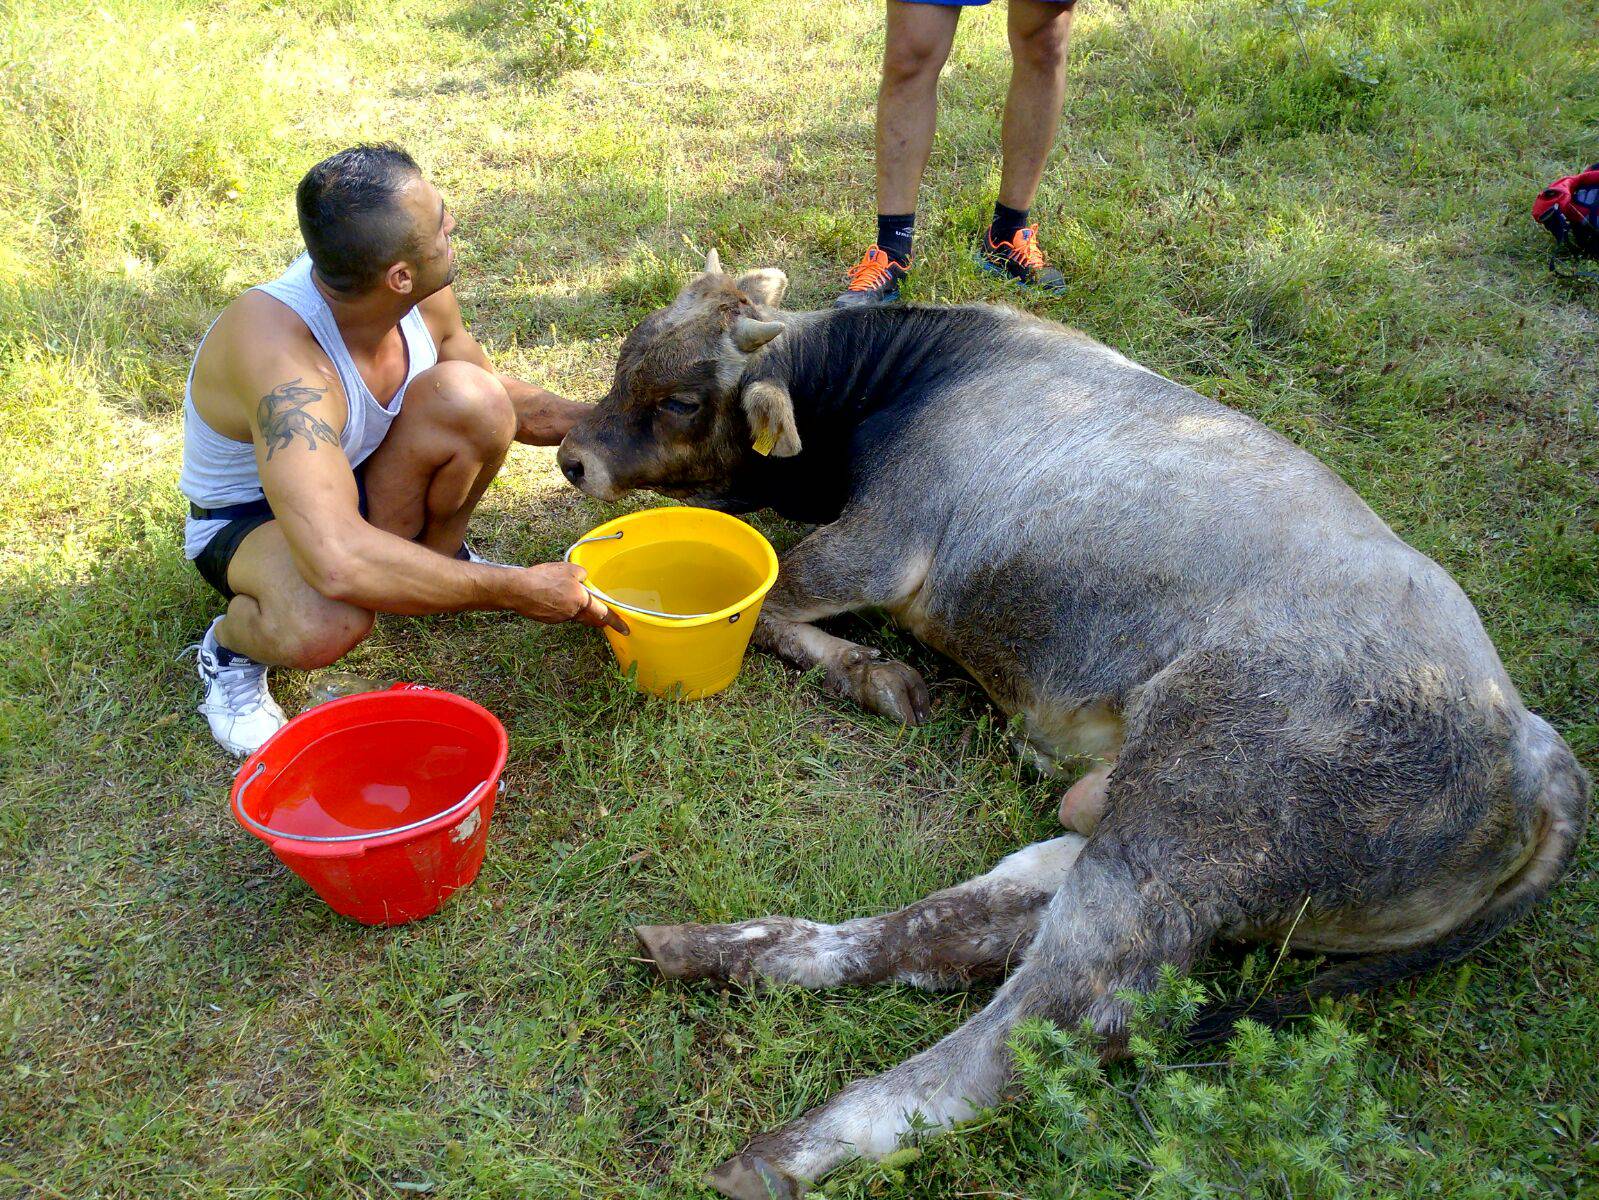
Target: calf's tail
(1546,779)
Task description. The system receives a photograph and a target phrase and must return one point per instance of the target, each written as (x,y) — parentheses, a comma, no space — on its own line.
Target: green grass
(1351,262)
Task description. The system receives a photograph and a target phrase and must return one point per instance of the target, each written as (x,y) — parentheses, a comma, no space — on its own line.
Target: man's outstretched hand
(554,592)
(542,418)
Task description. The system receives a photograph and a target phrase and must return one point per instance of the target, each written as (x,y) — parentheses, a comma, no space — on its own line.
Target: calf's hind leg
(1104,931)
(961,933)
(830,572)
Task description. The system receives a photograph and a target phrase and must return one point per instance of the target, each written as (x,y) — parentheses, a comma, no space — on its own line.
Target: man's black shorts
(213,561)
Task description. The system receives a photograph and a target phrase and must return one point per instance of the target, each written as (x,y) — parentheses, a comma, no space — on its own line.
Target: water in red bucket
(380,801)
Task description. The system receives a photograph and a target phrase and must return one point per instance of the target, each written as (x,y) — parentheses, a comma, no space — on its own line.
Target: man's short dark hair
(350,215)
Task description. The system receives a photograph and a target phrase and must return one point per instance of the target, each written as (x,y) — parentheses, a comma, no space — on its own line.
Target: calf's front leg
(859,673)
(840,568)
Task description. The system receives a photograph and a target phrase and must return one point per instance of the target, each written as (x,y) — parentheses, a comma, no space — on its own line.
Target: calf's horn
(713,263)
(750,335)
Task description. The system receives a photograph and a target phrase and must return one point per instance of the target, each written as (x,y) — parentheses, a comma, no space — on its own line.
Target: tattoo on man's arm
(282,418)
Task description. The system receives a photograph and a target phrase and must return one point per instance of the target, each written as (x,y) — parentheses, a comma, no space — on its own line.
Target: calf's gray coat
(1298,726)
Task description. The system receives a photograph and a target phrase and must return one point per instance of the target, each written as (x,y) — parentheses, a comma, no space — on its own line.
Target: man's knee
(1044,48)
(910,58)
(469,402)
(317,633)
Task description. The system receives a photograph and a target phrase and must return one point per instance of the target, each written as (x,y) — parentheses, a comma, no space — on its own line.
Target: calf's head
(679,418)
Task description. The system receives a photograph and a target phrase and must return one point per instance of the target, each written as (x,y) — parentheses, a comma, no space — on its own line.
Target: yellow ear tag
(764,441)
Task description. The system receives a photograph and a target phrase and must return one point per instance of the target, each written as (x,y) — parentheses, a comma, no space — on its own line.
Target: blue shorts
(977,3)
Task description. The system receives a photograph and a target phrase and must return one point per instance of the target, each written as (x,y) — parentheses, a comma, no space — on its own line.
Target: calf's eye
(681,405)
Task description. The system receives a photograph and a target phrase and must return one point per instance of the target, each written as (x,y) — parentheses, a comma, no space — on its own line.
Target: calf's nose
(587,471)
(571,464)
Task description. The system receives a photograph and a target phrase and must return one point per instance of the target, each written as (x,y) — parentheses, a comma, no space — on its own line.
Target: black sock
(1006,222)
(894,235)
(226,657)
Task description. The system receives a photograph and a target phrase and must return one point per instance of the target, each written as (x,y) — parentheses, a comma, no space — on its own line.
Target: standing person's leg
(916,45)
(917,41)
(1039,32)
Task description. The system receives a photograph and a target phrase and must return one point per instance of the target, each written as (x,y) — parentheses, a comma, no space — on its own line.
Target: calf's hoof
(670,952)
(750,1177)
(888,688)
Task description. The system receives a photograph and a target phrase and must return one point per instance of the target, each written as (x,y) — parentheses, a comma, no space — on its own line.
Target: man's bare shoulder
(254,330)
(257,344)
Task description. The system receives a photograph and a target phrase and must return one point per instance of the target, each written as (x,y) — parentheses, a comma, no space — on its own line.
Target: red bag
(1569,209)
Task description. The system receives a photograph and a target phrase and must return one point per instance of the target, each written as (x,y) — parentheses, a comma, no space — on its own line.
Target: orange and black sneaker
(873,280)
(1019,259)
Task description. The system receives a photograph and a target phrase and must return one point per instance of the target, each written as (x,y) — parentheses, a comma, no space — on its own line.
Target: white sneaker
(238,706)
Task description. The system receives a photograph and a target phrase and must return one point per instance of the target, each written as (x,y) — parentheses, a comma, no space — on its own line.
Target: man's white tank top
(219,471)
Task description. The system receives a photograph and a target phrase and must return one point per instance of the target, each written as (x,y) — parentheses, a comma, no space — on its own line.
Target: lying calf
(1301,728)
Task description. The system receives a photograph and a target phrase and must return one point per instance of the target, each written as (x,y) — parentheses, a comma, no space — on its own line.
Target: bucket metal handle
(632,608)
(345,837)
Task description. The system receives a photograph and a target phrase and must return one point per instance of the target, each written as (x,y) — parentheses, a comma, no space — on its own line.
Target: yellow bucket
(690,583)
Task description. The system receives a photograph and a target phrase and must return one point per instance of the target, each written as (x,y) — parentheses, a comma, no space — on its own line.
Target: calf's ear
(771,417)
(765,287)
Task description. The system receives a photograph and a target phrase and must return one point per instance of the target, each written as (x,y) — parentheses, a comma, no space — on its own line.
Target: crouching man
(340,425)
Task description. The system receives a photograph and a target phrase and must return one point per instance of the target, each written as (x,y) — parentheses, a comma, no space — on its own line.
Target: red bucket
(380,801)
